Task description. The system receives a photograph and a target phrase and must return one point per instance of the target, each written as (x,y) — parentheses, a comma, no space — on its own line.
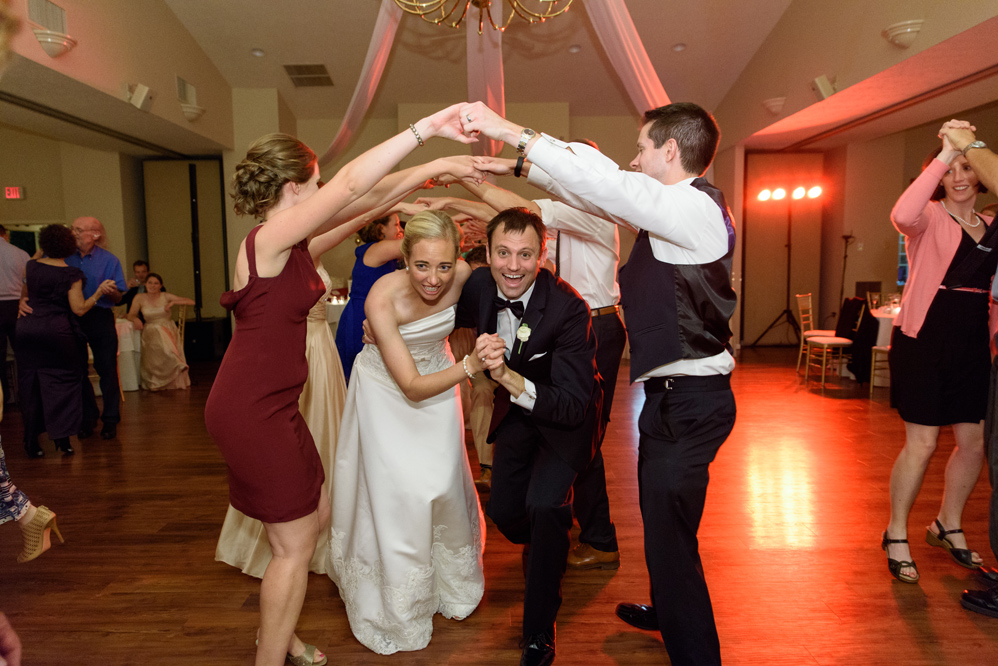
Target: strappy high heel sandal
(36,534)
(307,658)
(895,566)
(962,556)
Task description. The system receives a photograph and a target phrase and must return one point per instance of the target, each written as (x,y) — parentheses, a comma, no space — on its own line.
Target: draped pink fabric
(626,51)
(370,76)
(485,74)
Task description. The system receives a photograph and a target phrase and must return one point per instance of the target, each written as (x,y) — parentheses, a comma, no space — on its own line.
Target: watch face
(529,132)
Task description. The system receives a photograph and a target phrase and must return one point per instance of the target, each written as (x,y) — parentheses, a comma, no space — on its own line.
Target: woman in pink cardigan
(939,355)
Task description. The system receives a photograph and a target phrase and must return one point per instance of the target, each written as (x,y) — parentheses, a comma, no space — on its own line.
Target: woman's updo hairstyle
(374,231)
(430,225)
(271,161)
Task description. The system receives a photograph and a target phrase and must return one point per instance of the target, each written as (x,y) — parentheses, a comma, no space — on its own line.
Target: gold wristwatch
(525,136)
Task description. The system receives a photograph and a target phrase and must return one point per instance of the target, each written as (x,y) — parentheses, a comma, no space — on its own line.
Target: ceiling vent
(308,76)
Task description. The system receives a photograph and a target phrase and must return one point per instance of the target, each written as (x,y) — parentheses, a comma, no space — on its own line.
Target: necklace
(960,219)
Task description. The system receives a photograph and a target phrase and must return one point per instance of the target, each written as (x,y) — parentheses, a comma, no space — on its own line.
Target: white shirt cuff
(528,397)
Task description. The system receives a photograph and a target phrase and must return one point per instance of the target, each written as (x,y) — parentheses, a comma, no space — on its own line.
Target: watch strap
(519,166)
(973,144)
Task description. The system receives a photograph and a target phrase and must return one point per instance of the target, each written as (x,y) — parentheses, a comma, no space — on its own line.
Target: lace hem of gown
(418,599)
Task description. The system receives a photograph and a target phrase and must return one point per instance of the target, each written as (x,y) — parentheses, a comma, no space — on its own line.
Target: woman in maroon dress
(275,474)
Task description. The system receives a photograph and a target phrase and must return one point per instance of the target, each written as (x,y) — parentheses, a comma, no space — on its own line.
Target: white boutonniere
(522,334)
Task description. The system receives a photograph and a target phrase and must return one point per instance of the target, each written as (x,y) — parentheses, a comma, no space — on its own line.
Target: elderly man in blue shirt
(98,265)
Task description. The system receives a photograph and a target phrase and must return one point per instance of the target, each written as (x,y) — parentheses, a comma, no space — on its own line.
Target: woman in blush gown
(243,541)
(407,530)
(164,365)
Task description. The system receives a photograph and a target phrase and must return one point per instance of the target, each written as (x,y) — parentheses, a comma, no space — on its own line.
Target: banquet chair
(181,325)
(807,328)
(831,351)
(878,361)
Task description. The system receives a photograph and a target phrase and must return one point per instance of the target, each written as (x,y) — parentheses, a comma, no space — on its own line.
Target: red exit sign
(13,192)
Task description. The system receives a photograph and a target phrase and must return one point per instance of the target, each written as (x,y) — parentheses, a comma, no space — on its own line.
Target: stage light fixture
(798,193)
(814,192)
(779,193)
(764,195)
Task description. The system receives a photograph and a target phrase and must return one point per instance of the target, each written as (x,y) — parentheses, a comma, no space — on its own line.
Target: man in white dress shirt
(677,299)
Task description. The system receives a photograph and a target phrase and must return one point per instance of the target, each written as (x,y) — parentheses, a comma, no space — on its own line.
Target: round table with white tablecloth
(885,318)
(129,355)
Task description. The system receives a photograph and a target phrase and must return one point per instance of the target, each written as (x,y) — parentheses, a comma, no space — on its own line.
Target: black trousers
(591,504)
(98,326)
(681,430)
(991,447)
(8,319)
(531,503)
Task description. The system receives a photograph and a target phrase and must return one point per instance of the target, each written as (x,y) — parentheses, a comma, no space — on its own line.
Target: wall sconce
(54,43)
(192,111)
(774,104)
(823,87)
(902,34)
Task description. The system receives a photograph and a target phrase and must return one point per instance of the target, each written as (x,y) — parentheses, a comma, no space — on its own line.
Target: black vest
(675,312)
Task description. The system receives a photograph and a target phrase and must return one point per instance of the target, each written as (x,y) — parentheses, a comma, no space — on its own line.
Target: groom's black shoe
(984,602)
(538,649)
(638,615)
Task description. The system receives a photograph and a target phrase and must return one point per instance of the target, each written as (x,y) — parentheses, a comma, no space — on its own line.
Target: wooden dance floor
(790,543)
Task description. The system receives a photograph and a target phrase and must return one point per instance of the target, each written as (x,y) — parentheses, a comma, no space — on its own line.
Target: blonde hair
(430,225)
(271,161)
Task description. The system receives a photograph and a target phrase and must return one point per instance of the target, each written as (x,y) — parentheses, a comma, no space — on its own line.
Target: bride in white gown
(407,530)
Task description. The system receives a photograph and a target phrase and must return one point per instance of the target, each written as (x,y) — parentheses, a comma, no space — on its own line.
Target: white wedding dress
(407,530)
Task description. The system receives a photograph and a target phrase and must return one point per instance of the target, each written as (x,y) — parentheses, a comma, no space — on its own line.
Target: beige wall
(839,39)
(34,163)
(121,42)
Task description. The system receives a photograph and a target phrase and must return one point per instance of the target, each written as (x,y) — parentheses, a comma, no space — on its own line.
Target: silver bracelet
(416,132)
(464,364)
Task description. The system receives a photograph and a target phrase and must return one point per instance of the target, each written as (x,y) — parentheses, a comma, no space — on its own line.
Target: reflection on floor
(790,546)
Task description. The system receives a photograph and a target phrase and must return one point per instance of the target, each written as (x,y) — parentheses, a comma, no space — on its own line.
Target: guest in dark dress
(939,356)
(50,342)
(275,474)
(377,256)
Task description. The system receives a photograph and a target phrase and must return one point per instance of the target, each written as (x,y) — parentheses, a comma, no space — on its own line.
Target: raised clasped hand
(494,165)
(491,352)
(448,123)
(476,117)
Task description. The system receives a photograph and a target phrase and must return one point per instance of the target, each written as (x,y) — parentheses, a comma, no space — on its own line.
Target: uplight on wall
(799,193)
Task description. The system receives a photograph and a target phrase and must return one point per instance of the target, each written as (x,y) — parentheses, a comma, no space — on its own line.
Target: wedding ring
(469,118)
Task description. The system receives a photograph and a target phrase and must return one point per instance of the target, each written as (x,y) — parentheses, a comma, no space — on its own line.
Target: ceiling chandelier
(453,12)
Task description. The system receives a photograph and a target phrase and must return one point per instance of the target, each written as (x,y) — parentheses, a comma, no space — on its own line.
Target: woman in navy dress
(275,474)
(377,256)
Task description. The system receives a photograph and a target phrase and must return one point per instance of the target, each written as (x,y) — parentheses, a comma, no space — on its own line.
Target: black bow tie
(516,307)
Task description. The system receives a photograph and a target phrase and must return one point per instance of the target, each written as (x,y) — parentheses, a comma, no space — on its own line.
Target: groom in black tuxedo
(545,423)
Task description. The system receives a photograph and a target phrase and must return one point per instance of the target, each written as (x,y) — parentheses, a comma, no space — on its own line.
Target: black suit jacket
(559,357)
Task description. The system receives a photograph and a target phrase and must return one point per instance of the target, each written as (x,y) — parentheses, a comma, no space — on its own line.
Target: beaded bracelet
(416,132)
(464,363)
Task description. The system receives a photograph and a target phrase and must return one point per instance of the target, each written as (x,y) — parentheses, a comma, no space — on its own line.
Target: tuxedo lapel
(532,318)
(487,315)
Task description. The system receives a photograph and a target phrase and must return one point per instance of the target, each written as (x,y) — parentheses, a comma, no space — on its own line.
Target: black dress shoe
(33,450)
(638,615)
(988,574)
(538,649)
(109,431)
(984,602)
(85,432)
(62,444)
